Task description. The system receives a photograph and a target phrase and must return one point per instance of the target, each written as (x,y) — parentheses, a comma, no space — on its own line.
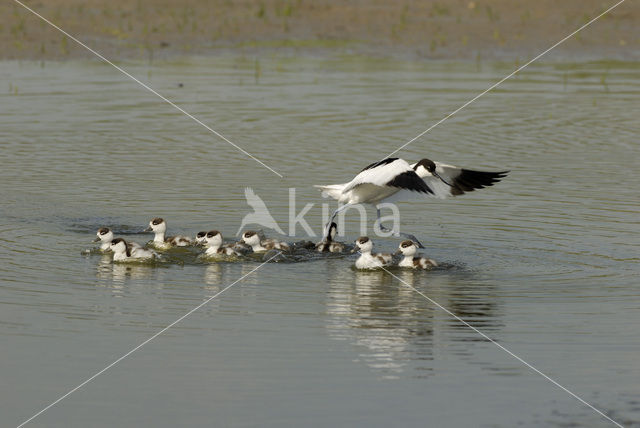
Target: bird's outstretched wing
(391,172)
(450,180)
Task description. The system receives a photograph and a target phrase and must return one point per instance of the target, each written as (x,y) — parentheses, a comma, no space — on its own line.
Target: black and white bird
(367,259)
(159,227)
(394,179)
(123,252)
(105,236)
(328,244)
(409,250)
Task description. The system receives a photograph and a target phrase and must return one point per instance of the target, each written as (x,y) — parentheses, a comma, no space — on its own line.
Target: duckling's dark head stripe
(405,244)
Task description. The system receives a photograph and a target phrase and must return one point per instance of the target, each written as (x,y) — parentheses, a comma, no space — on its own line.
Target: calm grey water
(546,263)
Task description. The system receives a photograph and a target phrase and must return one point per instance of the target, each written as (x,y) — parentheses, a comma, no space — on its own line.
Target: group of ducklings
(251,241)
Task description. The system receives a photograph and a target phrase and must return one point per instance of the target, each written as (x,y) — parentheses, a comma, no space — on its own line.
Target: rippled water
(545,262)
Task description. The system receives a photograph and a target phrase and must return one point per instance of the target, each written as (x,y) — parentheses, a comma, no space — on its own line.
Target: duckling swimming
(159,227)
(408,249)
(215,247)
(367,260)
(328,244)
(201,238)
(105,236)
(253,239)
(123,252)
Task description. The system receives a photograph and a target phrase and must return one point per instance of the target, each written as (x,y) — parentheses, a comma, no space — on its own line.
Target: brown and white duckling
(123,252)
(105,236)
(367,260)
(215,246)
(408,249)
(253,239)
(328,244)
(159,227)
(201,238)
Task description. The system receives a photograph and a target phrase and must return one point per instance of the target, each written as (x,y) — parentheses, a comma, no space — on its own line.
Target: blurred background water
(545,262)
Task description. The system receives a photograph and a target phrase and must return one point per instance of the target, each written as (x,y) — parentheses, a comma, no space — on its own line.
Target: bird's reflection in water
(119,273)
(395,328)
(122,272)
(213,276)
(370,311)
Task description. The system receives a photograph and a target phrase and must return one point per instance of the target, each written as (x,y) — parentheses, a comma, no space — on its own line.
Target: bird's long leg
(406,235)
(382,228)
(333,216)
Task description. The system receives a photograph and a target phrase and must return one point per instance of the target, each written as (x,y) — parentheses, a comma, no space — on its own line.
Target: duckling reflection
(213,274)
(396,329)
(369,310)
(121,272)
(104,268)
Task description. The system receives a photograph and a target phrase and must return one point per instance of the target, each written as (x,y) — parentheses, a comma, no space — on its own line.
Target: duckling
(408,249)
(253,239)
(159,227)
(367,260)
(328,244)
(201,238)
(123,252)
(215,247)
(105,236)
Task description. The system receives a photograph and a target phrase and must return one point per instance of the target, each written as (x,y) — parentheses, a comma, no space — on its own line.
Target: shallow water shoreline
(468,30)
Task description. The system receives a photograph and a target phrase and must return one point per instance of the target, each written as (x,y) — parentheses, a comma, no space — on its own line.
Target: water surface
(546,263)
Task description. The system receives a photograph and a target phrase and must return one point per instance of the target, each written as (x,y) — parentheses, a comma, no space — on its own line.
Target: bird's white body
(122,252)
(105,236)
(215,247)
(252,239)
(408,250)
(159,228)
(369,260)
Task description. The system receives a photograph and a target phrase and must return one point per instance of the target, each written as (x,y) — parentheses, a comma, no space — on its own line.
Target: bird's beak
(354,249)
(398,252)
(96,240)
(443,180)
(148,229)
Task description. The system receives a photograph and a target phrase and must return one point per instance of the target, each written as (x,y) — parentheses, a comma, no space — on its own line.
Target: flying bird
(394,179)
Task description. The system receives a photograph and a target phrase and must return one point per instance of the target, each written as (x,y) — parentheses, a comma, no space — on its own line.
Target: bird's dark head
(363,244)
(102,233)
(427,164)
